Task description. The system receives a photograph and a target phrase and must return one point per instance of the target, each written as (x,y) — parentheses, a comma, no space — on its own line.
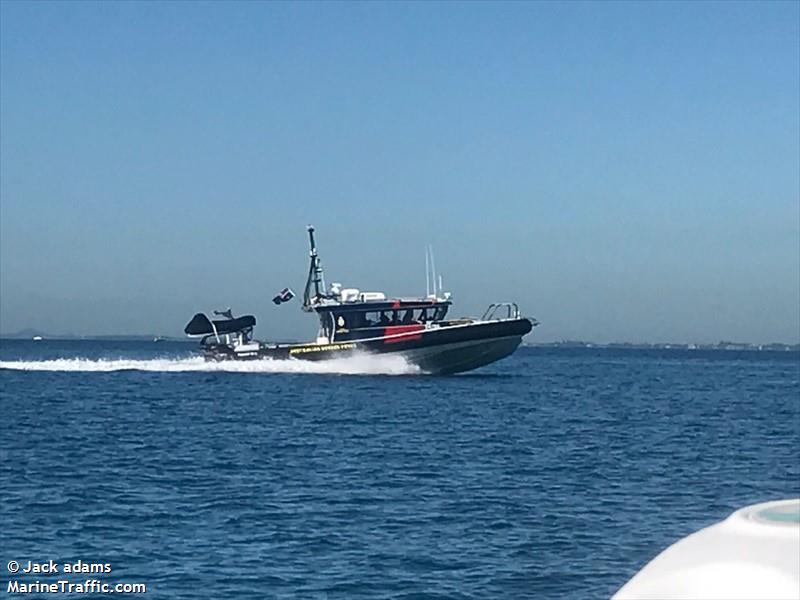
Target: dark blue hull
(445,349)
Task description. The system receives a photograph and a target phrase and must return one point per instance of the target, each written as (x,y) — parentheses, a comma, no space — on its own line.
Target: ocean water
(556,473)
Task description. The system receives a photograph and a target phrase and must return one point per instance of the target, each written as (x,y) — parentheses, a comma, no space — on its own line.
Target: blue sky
(625,172)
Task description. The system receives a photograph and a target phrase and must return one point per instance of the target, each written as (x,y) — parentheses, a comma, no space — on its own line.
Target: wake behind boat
(352,321)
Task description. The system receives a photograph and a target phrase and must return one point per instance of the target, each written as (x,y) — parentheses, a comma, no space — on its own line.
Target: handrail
(511,308)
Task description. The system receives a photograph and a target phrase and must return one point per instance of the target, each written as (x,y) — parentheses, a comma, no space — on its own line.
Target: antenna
(427,277)
(316,277)
(433,272)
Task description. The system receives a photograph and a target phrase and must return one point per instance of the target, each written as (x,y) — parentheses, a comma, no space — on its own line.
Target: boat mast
(316,277)
(433,273)
(427,274)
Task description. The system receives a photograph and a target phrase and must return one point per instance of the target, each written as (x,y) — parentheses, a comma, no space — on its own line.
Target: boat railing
(512,311)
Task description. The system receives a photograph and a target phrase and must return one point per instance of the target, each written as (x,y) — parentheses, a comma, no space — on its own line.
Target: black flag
(283,296)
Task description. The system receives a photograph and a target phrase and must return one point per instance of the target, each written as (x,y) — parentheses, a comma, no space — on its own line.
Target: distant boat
(158,338)
(37,338)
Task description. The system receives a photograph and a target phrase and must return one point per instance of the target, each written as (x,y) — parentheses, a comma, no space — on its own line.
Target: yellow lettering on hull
(321,348)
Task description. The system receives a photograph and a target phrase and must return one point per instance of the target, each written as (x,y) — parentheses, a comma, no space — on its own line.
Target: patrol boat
(352,321)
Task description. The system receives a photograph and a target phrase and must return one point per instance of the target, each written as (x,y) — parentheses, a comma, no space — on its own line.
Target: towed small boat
(353,322)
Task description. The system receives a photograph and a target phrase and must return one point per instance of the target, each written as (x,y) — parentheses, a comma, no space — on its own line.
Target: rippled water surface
(554,474)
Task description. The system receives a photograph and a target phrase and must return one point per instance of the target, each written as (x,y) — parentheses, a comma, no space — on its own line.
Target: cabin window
(372,319)
(431,313)
(390,317)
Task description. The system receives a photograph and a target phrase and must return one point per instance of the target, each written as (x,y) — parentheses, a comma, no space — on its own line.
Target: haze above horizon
(624,171)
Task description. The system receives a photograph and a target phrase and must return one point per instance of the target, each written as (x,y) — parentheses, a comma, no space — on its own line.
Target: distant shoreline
(99,338)
(722,345)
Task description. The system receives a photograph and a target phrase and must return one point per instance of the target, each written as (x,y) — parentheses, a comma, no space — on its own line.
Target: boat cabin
(369,319)
(350,314)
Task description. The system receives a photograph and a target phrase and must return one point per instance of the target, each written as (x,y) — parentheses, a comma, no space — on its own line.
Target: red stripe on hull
(387,331)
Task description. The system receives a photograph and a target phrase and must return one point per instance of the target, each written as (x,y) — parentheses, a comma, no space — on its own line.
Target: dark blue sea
(557,473)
